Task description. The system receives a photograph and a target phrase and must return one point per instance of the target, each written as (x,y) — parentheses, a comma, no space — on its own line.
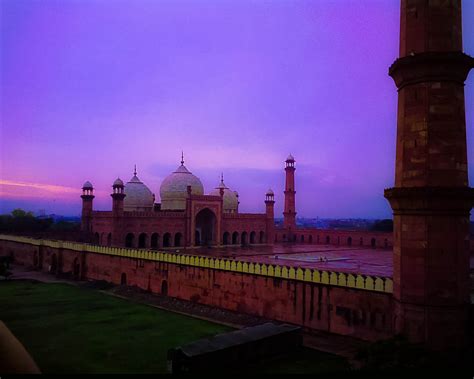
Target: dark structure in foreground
(431,199)
(243,346)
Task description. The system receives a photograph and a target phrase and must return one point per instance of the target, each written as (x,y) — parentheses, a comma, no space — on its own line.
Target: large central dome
(174,189)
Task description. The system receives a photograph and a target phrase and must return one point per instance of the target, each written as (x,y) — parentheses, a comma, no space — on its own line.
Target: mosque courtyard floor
(363,260)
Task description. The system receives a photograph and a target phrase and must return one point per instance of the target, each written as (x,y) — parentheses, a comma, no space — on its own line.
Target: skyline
(236,85)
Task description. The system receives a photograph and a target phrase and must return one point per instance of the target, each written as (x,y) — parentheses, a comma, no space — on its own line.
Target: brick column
(289,214)
(431,199)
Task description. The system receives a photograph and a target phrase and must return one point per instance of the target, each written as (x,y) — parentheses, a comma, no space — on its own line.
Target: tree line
(20,221)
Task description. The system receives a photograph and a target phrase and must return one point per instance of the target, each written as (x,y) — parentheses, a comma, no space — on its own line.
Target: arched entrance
(177,239)
(235,238)
(76,269)
(167,240)
(123,279)
(142,240)
(40,258)
(96,239)
(129,240)
(205,228)
(252,237)
(154,241)
(243,238)
(54,264)
(225,238)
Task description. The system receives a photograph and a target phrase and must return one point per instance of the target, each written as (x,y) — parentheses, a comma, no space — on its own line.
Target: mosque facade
(186,216)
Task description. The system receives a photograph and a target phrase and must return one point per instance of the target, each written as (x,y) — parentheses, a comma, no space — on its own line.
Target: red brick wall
(355,238)
(359,313)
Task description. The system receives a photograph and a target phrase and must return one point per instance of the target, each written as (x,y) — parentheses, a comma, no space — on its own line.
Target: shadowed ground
(69,329)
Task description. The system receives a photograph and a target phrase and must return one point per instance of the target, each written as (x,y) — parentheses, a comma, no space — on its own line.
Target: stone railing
(341,279)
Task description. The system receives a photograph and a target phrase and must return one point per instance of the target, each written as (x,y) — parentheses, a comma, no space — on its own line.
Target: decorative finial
(222,177)
(135,170)
(182,158)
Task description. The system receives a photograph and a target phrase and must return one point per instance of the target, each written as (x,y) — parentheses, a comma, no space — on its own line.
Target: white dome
(87,185)
(174,189)
(138,196)
(230,199)
(270,192)
(290,158)
(118,183)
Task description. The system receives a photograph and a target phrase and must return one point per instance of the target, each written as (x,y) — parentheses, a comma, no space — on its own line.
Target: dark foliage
(383,226)
(20,221)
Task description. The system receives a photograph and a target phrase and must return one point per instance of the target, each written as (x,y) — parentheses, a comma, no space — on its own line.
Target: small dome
(270,192)
(230,199)
(174,188)
(87,185)
(118,183)
(290,158)
(138,196)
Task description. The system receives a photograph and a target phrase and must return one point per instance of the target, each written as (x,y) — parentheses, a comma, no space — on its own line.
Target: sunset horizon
(236,93)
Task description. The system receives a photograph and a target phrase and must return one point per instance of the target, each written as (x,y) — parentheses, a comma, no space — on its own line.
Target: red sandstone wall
(240,224)
(359,313)
(102,226)
(354,238)
(137,225)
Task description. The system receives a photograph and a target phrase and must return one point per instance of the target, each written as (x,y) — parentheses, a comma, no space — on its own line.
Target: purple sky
(91,87)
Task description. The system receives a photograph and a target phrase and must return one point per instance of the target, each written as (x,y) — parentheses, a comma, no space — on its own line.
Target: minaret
(117,211)
(117,196)
(86,217)
(289,215)
(431,200)
(270,216)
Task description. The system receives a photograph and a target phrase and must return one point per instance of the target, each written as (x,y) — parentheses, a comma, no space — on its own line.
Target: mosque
(186,217)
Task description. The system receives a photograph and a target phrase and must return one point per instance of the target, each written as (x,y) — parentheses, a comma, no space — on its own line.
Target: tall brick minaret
(87,207)
(431,200)
(118,195)
(289,214)
(270,216)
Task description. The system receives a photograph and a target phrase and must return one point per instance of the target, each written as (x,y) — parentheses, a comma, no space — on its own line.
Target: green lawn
(73,330)
(68,329)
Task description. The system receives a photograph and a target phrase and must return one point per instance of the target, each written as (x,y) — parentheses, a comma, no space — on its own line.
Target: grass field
(72,330)
(68,329)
